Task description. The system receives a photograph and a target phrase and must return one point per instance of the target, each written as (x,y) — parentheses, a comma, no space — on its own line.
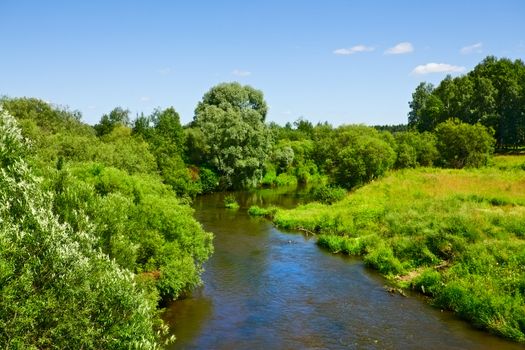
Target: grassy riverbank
(455,235)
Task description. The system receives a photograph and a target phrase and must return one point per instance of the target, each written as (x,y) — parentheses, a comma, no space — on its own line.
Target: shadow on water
(266,289)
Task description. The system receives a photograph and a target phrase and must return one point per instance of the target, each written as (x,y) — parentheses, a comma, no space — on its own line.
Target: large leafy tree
(117,116)
(231,119)
(417,118)
(166,138)
(464,145)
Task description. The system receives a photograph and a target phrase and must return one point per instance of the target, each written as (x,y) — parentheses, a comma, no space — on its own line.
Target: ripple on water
(265,289)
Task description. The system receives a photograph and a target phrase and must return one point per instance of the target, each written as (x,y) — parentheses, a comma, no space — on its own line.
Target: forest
(97,230)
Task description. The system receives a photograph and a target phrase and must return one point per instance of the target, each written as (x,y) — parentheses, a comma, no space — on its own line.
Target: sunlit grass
(456,235)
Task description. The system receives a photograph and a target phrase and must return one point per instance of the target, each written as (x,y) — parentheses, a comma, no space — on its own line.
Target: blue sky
(337,61)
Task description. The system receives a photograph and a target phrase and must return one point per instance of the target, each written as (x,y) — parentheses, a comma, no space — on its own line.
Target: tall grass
(455,235)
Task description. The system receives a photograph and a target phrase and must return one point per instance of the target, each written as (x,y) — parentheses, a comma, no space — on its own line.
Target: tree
(491,94)
(464,145)
(416,117)
(118,116)
(415,149)
(367,159)
(169,135)
(57,290)
(231,120)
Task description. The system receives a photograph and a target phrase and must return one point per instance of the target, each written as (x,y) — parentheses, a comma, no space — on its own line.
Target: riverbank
(265,288)
(454,235)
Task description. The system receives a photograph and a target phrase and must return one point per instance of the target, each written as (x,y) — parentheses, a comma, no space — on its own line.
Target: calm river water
(267,289)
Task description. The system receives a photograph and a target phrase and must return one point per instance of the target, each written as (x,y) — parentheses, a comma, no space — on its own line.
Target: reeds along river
(266,289)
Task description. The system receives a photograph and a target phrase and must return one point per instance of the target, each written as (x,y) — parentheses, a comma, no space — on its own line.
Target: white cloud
(164,71)
(437,68)
(145,99)
(352,50)
(241,73)
(404,47)
(474,48)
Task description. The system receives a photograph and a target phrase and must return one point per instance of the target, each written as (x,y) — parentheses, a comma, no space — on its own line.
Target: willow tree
(231,120)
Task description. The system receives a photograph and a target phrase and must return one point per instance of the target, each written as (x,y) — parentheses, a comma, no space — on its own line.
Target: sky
(339,61)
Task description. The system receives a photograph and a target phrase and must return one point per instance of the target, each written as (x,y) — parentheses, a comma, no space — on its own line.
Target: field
(457,236)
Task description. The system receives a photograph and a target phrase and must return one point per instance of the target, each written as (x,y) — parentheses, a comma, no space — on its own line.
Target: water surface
(267,289)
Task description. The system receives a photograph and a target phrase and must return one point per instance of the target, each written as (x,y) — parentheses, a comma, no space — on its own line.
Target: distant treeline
(492,94)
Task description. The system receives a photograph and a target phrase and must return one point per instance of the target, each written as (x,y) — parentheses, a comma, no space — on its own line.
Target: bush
(230,202)
(415,149)
(327,194)
(57,289)
(208,179)
(258,211)
(364,161)
(463,145)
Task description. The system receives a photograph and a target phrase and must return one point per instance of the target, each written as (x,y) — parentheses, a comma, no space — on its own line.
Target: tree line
(492,94)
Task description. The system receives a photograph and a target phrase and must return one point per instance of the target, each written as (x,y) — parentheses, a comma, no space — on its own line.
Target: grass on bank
(456,235)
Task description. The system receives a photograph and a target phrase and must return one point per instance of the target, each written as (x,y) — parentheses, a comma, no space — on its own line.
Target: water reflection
(265,289)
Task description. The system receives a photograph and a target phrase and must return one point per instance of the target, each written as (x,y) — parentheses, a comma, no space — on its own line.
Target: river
(268,289)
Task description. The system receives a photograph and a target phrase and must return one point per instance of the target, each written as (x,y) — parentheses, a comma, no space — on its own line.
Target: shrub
(57,289)
(464,145)
(415,149)
(364,161)
(230,202)
(208,179)
(327,194)
(258,211)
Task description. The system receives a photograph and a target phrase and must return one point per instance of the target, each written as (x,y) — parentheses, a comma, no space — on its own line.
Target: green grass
(455,235)
(230,202)
(264,212)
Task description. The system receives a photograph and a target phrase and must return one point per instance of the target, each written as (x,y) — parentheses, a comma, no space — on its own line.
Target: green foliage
(230,202)
(255,210)
(230,118)
(463,145)
(138,229)
(342,244)
(455,235)
(283,158)
(363,161)
(117,117)
(41,117)
(121,150)
(57,289)
(208,180)
(327,194)
(271,179)
(352,155)
(166,140)
(139,222)
(382,258)
(415,149)
(491,94)
(428,282)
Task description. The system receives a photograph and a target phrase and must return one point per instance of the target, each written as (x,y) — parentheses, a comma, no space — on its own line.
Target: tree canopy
(230,119)
(492,94)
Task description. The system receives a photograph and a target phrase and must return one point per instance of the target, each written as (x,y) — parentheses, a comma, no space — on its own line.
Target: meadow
(456,236)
